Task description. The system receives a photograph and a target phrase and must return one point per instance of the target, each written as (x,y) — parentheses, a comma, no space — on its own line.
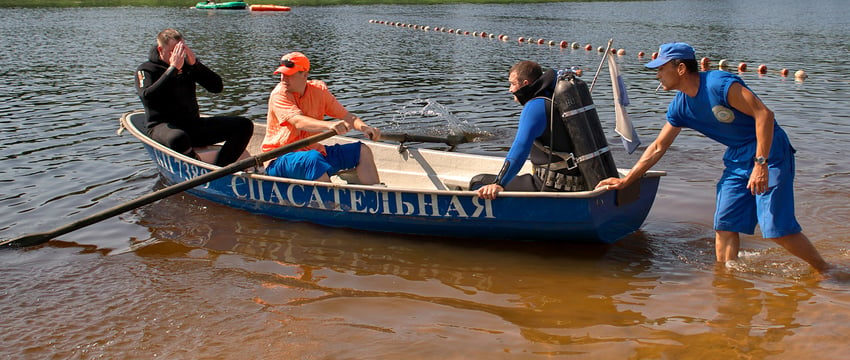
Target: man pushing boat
(757,185)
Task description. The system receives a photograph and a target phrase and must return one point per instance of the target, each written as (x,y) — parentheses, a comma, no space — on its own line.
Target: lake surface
(188,279)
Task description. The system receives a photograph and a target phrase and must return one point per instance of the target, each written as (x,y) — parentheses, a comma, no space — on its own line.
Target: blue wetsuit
(532,123)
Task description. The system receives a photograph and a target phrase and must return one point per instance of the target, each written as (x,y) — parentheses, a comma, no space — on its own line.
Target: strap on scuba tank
(570,160)
(592,155)
(580,110)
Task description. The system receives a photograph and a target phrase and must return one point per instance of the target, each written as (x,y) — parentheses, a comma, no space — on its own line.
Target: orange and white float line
(705,63)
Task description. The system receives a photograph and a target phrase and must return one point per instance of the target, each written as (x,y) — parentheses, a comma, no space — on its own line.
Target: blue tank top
(709,113)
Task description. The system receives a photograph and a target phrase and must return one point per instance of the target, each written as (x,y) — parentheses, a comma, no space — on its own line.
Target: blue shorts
(738,210)
(311,165)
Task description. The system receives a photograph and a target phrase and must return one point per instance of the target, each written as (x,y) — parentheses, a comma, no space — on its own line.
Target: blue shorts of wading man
(311,164)
(738,210)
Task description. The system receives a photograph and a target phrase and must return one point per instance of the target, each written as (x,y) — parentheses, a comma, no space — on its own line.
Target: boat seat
(348,176)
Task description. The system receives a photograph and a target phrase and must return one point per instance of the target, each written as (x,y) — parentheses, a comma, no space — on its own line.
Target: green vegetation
(184,3)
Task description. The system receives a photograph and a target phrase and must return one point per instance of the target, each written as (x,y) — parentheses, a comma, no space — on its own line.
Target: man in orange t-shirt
(297,108)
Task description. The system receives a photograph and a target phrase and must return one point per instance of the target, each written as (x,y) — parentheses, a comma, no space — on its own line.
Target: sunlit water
(184,278)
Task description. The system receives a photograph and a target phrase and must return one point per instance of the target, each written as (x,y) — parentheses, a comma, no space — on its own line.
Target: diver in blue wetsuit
(540,135)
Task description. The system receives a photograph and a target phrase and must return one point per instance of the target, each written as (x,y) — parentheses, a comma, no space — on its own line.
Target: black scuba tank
(578,113)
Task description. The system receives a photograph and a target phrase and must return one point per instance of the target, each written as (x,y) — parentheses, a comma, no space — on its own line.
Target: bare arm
(306,123)
(649,158)
(748,103)
(357,123)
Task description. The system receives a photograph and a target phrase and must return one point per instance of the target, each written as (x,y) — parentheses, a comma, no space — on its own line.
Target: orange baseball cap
(292,63)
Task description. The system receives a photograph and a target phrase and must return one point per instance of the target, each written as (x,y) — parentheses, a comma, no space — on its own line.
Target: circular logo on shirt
(723,114)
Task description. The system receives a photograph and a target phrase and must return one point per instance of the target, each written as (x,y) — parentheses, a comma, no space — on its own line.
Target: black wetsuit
(173,118)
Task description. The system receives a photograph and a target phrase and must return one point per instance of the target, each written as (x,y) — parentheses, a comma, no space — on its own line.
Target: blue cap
(670,51)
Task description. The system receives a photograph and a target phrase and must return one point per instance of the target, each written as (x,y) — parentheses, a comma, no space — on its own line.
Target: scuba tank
(575,106)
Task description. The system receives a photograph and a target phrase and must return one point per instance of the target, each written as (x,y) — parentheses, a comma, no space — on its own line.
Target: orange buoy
(641,54)
(783,72)
(742,67)
(521,39)
(541,41)
(564,44)
(588,47)
(654,55)
(704,64)
(762,69)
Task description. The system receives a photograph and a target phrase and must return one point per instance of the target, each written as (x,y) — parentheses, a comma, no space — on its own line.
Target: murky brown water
(188,279)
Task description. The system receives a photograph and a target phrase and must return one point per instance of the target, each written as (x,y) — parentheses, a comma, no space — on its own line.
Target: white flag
(621,99)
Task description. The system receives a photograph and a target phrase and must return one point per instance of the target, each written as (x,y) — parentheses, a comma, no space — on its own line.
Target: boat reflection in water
(603,299)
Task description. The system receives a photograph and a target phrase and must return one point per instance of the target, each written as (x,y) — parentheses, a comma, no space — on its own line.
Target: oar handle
(39,238)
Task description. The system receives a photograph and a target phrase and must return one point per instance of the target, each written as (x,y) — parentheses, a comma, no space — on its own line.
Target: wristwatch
(761,160)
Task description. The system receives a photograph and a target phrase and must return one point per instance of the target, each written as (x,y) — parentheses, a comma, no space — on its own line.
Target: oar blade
(40,238)
(27,240)
(404,137)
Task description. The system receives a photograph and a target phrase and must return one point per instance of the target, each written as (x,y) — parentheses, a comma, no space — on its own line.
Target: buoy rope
(705,63)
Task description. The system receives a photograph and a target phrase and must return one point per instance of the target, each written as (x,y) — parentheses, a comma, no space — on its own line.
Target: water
(184,278)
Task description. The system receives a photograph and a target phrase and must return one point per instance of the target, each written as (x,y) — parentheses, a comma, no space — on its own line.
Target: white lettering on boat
(361,201)
(289,193)
(479,207)
(176,168)
(340,199)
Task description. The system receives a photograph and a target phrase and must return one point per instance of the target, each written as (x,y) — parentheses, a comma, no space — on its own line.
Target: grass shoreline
(189,3)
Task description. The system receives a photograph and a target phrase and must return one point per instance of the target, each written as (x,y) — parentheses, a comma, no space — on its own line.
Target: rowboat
(269,7)
(424,192)
(230,5)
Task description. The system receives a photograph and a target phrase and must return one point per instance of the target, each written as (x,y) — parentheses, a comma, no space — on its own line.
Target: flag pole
(604,57)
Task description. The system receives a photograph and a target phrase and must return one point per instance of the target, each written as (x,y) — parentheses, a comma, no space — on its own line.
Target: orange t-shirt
(316,102)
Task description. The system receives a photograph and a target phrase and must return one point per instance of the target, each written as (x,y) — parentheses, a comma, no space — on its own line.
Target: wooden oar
(403,138)
(39,238)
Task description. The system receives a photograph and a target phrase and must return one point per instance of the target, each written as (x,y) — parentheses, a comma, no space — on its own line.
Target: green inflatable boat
(230,5)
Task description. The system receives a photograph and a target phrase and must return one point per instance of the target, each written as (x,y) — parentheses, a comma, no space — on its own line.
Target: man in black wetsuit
(166,86)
